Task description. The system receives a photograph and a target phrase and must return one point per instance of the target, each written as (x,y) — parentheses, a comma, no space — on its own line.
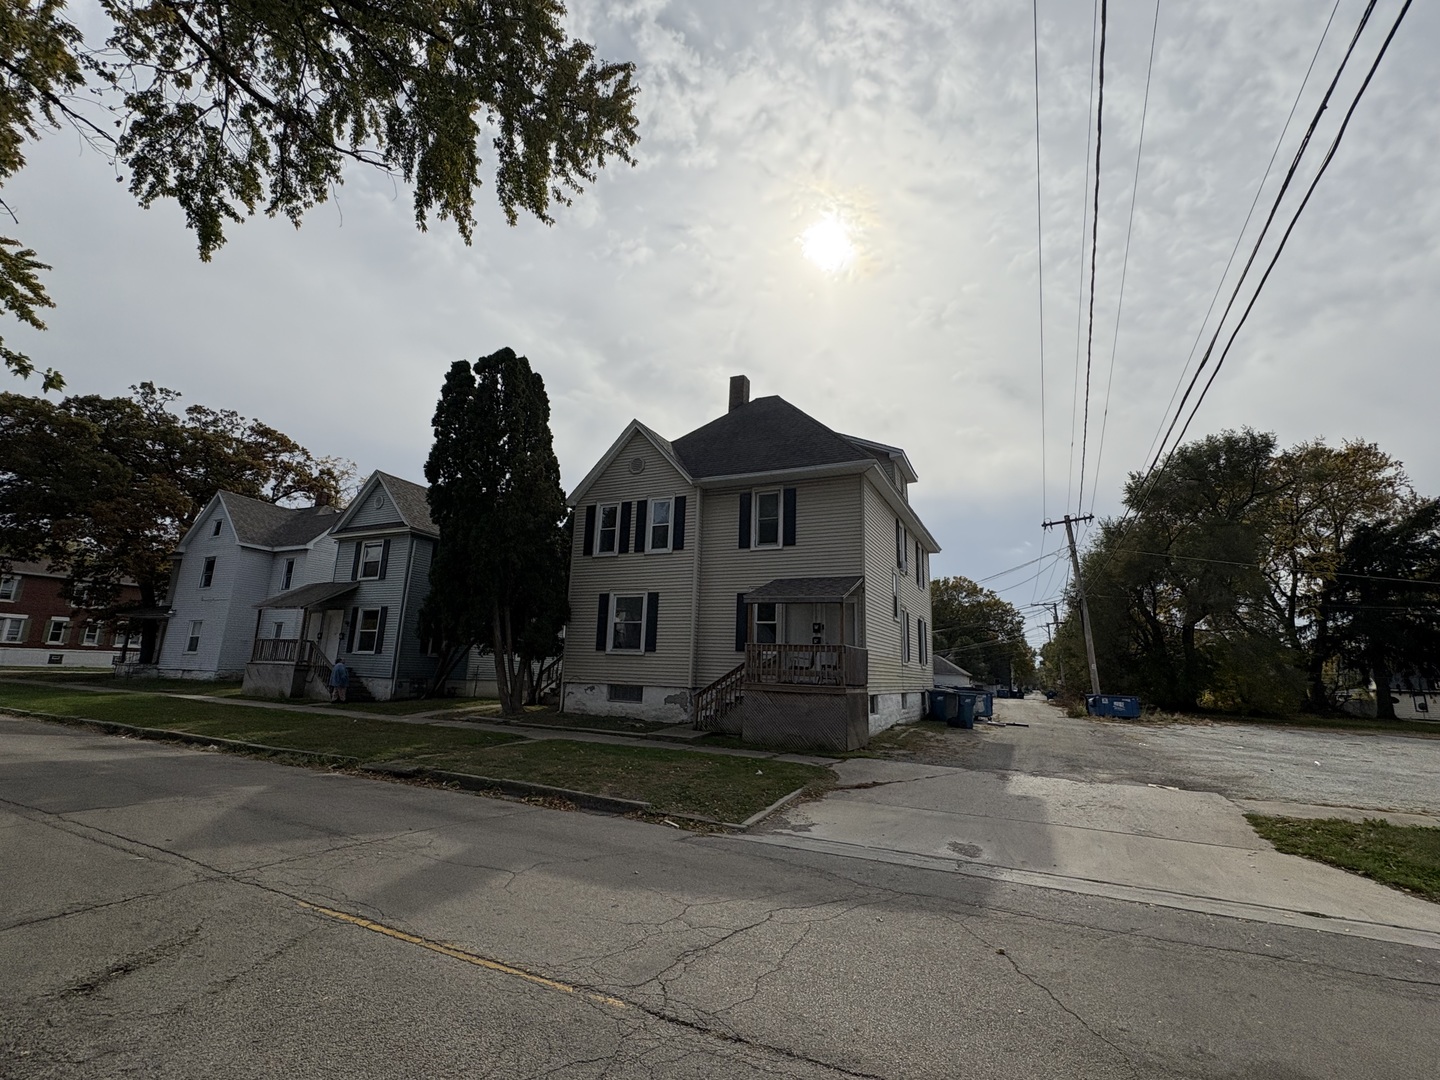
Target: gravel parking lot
(1240,761)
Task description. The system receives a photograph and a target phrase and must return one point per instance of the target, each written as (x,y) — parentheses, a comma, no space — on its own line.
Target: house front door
(331,624)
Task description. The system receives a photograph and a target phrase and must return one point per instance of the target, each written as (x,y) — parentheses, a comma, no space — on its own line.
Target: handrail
(712,702)
(807,665)
(275,650)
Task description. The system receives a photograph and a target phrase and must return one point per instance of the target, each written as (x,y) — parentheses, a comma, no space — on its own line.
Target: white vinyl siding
(669,575)
(828,542)
(886,634)
(373,514)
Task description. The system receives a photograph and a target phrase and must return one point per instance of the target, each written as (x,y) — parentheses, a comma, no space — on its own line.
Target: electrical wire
(1094,252)
(1084,221)
(1324,164)
(1039,249)
(1125,262)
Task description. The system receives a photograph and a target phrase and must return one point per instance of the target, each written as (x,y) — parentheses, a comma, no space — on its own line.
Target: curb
(586,800)
(784,800)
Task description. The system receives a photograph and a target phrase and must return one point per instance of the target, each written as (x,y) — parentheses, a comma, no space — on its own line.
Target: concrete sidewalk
(1181,849)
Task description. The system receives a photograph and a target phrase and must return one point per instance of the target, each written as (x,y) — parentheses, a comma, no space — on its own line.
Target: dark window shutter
(677,530)
(384,558)
(745,519)
(355,566)
(652,619)
(380,630)
(740,628)
(899,546)
(590,529)
(354,622)
(789,524)
(602,618)
(624,528)
(641,506)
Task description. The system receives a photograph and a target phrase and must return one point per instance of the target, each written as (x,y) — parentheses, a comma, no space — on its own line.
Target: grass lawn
(1403,856)
(1421,728)
(549,717)
(108,679)
(675,781)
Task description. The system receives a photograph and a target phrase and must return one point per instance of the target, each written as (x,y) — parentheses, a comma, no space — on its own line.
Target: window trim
(13,581)
(779,621)
(91,635)
(615,598)
(360,633)
(379,561)
(207,572)
(629,693)
(63,625)
(895,608)
(651,548)
(21,624)
(755,497)
(905,648)
(192,639)
(287,576)
(219,523)
(600,530)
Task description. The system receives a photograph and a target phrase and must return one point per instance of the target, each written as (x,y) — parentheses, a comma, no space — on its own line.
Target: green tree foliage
(1212,590)
(980,632)
(104,488)
(229,106)
(500,575)
(1382,606)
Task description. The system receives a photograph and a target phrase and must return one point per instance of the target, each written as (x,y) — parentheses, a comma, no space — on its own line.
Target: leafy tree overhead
(229,106)
(499,579)
(104,488)
(982,633)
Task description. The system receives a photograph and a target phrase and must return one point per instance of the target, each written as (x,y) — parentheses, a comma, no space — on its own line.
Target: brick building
(40,628)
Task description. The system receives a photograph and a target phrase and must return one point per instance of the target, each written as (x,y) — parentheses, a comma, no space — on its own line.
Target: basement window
(624,692)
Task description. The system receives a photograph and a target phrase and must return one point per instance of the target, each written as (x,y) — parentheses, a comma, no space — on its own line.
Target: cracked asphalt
(168,912)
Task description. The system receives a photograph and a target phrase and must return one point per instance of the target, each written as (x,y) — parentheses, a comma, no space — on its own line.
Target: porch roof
(805,590)
(320,595)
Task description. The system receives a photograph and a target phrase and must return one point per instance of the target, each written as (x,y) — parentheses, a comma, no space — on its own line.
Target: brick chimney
(739,391)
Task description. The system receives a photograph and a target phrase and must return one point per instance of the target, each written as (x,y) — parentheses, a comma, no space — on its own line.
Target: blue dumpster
(983,699)
(943,705)
(965,713)
(1119,706)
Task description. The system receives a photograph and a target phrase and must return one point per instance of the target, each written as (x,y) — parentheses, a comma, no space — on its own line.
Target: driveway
(1152,814)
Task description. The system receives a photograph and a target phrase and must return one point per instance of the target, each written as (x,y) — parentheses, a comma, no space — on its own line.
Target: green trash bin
(964,716)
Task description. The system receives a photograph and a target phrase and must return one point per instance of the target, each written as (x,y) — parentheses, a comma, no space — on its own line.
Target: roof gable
(765,435)
(258,523)
(663,445)
(411,502)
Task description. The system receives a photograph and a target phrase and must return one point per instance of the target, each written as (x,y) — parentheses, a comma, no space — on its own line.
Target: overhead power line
(1094,250)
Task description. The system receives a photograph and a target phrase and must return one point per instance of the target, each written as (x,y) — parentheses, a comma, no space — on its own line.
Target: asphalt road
(175,913)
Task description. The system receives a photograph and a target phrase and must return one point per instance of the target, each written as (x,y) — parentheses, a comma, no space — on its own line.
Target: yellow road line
(461,954)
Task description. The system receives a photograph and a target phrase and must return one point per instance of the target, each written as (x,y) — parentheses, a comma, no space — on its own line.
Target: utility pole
(1080,588)
(1059,658)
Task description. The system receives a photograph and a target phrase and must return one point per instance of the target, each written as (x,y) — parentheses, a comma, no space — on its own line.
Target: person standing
(339,681)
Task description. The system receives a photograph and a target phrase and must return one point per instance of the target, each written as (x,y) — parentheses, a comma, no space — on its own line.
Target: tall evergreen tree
(500,574)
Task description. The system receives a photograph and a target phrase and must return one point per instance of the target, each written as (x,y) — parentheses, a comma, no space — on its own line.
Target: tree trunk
(149,628)
(1190,677)
(1384,703)
(502,664)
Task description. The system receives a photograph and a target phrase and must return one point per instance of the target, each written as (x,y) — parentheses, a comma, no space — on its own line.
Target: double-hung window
(92,634)
(895,595)
(918,567)
(289,575)
(767,519)
(607,538)
(216,530)
(58,631)
(367,634)
(661,512)
(899,546)
(192,642)
(627,623)
(767,624)
(207,573)
(905,649)
(371,554)
(9,588)
(12,630)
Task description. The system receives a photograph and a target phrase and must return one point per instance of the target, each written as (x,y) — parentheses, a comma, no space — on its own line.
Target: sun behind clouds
(828,244)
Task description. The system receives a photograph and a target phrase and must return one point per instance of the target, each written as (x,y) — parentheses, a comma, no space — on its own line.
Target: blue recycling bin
(984,701)
(943,705)
(1118,706)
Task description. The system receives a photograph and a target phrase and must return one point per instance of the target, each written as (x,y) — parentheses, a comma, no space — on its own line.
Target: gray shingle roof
(320,594)
(413,502)
(766,435)
(267,525)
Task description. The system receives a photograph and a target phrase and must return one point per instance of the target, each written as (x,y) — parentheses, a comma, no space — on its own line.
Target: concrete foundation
(891,709)
(667,703)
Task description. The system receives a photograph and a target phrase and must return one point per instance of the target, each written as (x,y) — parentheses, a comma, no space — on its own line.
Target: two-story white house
(763,574)
(238,551)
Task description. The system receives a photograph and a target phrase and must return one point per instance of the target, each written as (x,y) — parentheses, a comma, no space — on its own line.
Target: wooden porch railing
(807,665)
(275,650)
(717,699)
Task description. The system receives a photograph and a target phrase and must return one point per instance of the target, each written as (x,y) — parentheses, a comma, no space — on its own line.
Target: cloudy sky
(909,125)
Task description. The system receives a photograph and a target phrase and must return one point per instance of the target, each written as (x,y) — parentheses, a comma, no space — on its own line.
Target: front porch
(802,684)
(299,667)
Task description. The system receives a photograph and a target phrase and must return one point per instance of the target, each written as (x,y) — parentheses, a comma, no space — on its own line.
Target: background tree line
(1248,578)
(980,632)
